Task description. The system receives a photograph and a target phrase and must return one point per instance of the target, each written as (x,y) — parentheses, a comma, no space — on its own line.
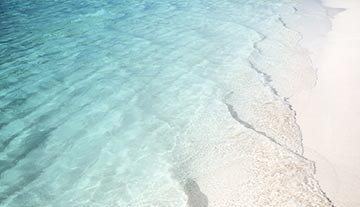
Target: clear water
(121,103)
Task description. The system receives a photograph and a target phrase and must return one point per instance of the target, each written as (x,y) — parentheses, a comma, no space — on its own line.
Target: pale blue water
(102,102)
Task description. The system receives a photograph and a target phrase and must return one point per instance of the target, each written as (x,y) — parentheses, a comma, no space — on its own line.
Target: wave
(153,104)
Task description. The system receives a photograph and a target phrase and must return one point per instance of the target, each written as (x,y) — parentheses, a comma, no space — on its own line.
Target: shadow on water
(196,198)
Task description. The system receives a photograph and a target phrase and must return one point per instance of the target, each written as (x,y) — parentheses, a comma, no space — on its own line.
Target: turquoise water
(121,103)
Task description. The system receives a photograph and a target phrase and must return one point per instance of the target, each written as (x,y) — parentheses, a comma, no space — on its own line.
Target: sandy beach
(329,113)
(175,103)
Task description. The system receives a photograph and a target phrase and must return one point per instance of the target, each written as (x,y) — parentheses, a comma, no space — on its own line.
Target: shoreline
(328,114)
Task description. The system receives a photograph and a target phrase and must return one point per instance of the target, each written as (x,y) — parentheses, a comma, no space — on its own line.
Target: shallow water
(121,103)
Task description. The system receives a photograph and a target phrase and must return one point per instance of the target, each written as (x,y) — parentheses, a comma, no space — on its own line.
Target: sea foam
(152,103)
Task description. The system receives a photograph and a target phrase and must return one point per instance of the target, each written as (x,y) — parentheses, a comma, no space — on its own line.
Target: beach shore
(329,113)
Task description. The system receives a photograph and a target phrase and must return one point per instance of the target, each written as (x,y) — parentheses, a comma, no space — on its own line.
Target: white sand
(329,114)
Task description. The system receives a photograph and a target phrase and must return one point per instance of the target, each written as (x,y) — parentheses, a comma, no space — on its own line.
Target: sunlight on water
(112,103)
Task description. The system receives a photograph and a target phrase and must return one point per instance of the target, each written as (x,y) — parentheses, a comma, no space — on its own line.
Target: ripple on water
(148,103)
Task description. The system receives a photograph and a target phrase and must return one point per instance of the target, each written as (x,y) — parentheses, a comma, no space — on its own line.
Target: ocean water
(152,103)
